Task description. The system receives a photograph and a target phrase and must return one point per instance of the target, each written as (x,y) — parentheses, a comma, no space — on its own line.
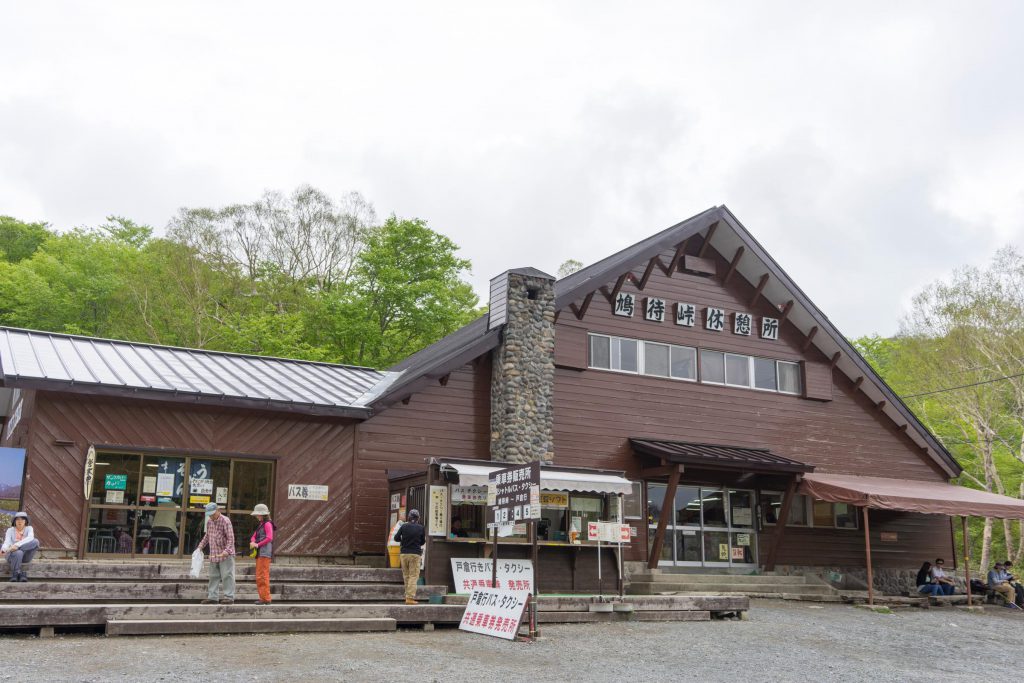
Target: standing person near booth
(411,536)
(20,546)
(220,537)
(262,542)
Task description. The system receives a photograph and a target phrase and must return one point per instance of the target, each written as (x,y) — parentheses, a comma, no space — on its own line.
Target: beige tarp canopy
(937,498)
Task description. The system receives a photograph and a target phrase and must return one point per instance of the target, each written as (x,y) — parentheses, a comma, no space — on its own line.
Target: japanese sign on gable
(494,612)
(470,573)
(686,314)
(516,493)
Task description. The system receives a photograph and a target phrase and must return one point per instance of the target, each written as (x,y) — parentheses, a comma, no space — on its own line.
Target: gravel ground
(781,642)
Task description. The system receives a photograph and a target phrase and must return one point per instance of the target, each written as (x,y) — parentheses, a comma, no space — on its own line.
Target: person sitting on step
(999,582)
(1017,587)
(925,584)
(940,577)
(20,546)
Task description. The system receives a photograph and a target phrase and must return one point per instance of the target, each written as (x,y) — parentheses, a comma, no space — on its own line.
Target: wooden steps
(77,615)
(177,571)
(138,598)
(140,627)
(123,591)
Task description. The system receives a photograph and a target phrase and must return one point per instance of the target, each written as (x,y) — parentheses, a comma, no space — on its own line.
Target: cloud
(871,148)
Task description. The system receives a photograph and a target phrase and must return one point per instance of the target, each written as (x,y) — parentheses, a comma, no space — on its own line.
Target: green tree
(405,292)
(19,240)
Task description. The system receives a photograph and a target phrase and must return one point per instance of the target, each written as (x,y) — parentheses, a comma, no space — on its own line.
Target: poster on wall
(438,511)
(149,484)
(114,497)
(12,474)
(222,495)
(165,485)
(396,501)
(203,487)
(170,477)
(115,482)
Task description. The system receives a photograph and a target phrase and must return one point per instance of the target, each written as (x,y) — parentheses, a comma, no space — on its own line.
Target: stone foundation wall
(887,580)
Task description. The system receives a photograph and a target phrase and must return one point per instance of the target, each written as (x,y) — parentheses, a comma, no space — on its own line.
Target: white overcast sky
(870,147)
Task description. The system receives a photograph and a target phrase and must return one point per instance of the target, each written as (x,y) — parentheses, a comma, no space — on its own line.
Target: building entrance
(707,526)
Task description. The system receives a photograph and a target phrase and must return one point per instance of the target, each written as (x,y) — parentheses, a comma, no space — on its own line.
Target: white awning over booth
(551,479)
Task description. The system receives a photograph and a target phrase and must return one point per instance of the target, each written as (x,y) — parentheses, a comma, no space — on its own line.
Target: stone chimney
(523,376)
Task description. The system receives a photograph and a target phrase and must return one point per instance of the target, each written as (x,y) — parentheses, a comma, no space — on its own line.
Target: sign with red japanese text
(471,573)
(593,531)
(516,493)
(494,612)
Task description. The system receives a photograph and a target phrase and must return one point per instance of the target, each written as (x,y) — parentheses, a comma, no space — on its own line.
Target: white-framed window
(789,377)
(684,363)
(712,367)
(737,370)
(657,359)
(634,356)
(660,359)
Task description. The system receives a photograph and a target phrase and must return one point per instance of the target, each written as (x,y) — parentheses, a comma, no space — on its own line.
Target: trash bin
(394,560)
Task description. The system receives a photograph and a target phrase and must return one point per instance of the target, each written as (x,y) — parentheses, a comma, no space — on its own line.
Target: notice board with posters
(494,612)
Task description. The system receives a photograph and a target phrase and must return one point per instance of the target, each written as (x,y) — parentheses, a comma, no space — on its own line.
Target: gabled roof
(726,235)
(63,362)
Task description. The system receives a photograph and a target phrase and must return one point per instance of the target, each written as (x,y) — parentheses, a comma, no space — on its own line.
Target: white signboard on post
(471,573)
(494,612)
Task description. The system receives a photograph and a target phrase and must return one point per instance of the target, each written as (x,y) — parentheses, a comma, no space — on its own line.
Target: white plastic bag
(197,564)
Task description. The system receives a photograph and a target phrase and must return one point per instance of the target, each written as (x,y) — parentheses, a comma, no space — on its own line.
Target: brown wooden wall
(597,411)
(918,538)
(451,421)
(307,451)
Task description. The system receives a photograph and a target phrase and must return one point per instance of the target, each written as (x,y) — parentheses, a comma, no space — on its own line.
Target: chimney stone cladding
(523,376)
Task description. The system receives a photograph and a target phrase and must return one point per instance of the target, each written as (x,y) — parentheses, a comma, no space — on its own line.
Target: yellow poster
(198,500)
(554,499)
(723,551)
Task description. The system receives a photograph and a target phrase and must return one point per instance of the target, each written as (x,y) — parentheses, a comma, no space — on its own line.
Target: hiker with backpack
(262,546)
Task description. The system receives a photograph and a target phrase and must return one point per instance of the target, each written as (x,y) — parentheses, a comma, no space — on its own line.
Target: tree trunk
(986,545)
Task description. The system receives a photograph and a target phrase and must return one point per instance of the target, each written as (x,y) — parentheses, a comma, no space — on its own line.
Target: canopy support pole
(780,525)
(667,508)
(867,550)
(967,561)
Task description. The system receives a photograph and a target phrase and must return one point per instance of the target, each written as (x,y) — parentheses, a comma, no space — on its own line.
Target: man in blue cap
(221,539)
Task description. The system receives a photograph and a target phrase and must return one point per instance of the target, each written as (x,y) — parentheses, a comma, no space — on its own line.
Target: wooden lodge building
(685,385)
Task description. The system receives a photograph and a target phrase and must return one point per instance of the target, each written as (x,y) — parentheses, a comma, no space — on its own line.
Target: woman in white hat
(20,546)
(262,545)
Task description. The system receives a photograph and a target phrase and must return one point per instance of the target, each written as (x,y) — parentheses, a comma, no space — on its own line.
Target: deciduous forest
(300,275)
(305,275)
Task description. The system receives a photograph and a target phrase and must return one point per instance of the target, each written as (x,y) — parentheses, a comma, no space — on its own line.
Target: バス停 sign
(307,492)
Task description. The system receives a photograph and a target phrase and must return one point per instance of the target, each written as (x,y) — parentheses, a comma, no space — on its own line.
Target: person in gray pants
(20,546)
